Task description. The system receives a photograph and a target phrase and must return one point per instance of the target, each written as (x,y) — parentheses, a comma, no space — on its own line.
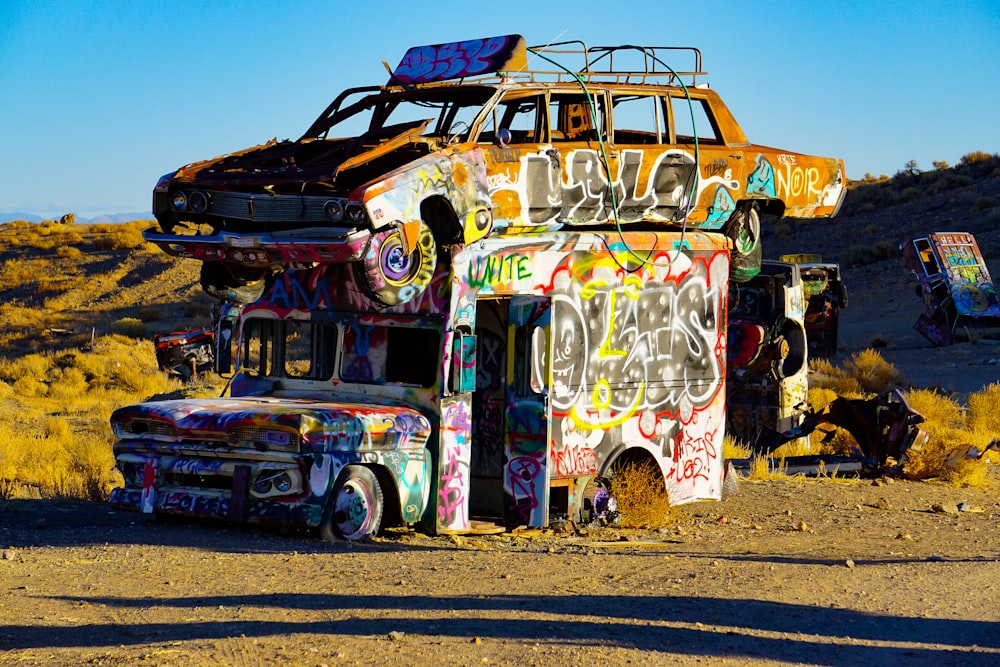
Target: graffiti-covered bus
(529,368)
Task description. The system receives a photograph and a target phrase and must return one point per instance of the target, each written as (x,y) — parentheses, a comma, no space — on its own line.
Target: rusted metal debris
(885,428)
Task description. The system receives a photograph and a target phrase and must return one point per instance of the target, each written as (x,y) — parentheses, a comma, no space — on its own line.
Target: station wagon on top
(487,137)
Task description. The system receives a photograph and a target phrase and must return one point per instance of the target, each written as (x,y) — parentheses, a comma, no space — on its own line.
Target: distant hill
(102,219)
(880,213)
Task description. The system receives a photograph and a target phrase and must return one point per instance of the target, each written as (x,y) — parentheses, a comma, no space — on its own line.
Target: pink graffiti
(451,496)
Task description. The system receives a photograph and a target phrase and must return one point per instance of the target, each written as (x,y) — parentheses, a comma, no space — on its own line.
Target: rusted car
(767,388)
(826,295)
(475,138)
(959,296)
(184,354)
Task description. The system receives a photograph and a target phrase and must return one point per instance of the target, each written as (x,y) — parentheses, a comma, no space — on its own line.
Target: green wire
(604,156)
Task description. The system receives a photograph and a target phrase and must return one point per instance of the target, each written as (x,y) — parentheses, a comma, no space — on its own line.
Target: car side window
(690,115)
(576,117)
(515,121)
(638,119)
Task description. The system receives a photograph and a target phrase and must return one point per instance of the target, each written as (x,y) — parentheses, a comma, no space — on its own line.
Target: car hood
(273,424)
(284,166)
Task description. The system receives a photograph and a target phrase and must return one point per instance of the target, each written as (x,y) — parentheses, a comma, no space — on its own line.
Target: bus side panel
(639,362)
(638,347)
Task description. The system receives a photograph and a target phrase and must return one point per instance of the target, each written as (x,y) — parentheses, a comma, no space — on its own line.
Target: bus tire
(389,275)
(354,512)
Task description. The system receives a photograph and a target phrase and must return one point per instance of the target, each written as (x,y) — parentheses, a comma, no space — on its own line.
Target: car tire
(389,275)
(743,228)
(354,512)
(223,282)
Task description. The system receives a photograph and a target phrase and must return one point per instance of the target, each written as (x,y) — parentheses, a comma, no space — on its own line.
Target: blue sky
(99,99)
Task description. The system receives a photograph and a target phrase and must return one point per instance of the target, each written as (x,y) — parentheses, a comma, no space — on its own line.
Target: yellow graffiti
(798,181)
(603,403)
(632,288)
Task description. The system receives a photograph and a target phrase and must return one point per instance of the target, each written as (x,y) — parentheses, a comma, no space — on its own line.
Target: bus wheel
(389,275)
(228,283)
(355,509)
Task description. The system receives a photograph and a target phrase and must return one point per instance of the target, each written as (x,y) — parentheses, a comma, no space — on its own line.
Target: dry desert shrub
(984,410)
(130,326)
(873,373)
(57,460)
(863,374)
(70,252)
(641,496)
(824,375)
(951,452)
(70,454)
(119,237)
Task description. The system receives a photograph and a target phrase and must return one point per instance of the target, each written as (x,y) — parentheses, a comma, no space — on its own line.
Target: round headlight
(198,202)
(355,213)
(333,210)
(283,482)
(262,486)
(178,202)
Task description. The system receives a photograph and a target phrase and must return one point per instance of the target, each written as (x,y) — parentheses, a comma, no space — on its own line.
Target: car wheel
(228,283)
(389,275)
(355,509)
(743,228)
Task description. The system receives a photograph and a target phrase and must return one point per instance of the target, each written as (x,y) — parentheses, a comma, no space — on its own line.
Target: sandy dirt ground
(782,572)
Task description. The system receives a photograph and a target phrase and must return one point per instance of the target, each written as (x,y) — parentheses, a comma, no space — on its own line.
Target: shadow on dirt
(731,627)
(48,523)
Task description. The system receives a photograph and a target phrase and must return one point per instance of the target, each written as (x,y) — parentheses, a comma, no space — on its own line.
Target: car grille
(263,208)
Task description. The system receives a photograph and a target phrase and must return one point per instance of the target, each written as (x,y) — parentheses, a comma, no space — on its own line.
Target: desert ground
(793,571)
(784,572)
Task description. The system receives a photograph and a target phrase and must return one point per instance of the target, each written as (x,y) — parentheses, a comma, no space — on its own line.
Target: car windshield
(451,112)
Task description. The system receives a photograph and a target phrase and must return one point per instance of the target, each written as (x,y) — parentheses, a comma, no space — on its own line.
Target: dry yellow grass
(642,500)
(735,449)
(955,436)
(952,429)
(764,468)
(54,410)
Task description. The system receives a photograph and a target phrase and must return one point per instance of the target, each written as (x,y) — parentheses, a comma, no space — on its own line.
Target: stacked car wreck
(469,294)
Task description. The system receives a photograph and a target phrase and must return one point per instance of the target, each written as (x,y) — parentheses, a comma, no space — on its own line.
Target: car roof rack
(507,59)
(612,64)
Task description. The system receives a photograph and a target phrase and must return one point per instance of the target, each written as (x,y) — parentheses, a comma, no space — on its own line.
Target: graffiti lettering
(662,337)
(586,194)
(568,461)
(493,271)
(451,494)
(453,60)
(796,181)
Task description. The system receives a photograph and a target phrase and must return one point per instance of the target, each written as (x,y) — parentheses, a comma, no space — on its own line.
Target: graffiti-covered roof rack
(508,58)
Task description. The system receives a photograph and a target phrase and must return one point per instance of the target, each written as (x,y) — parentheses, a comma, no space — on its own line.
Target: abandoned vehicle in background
(185,354)
(959,297)
(470,294)
(767,356)
(826,296)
